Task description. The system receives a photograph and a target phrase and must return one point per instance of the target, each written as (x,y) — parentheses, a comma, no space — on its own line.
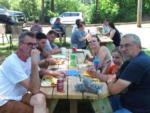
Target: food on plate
(85,73)
(48,81)
(60,61)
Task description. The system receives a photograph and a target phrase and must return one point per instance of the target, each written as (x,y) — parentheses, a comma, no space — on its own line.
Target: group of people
(109,29)
(20,73)
(128,80)
(80,37)
(125,70)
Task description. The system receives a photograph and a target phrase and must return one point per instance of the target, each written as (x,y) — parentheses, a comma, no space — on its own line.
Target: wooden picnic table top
(105,39)
(71,81)
(70,91)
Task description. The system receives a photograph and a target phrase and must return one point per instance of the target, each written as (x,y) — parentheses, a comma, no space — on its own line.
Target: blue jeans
(122,110)
(116,105)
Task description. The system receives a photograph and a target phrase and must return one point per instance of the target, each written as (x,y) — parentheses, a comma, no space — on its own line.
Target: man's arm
(118,86)
(33,83)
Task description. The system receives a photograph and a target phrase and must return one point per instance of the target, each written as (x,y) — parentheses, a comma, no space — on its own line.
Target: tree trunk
(42,11)
(52,6)
(96,7)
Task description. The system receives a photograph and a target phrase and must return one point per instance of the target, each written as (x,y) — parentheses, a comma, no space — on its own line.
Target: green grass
(147,51)
(5,50)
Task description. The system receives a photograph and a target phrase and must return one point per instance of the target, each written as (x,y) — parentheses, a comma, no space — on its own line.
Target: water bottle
(96,62)
(73,60)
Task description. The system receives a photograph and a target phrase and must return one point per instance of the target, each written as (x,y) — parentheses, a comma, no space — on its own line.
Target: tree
(96,6)
(42,11)
(52,6)
(29,7)
(5,3)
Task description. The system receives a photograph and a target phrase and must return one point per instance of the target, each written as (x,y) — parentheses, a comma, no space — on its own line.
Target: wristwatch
(109,81)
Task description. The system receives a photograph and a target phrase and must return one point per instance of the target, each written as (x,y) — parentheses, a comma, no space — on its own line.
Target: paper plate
(59,56)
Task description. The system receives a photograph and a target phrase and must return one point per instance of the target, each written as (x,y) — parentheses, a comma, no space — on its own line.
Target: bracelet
(109,81)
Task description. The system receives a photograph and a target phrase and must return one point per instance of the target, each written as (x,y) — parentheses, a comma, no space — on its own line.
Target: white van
(68,17)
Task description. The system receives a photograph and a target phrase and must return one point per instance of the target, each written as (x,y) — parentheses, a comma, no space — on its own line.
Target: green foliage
(51,14)
(15,5)
(5,3)
(66,5)
(115,10)
(86,9)
(29,7)
(146,7)
(106,9)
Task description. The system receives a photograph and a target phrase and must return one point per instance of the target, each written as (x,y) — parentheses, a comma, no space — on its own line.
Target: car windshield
(69,14)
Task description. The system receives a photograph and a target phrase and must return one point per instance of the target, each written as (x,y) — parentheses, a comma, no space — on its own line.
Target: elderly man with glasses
(19,79)
(134,78)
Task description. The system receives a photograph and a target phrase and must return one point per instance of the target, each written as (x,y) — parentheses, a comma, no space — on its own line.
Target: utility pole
(139,13)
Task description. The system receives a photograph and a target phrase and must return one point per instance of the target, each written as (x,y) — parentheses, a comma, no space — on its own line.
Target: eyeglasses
(30,44)
(92,41)
(127,45)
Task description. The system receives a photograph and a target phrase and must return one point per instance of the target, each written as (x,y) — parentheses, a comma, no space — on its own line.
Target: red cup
(74,49)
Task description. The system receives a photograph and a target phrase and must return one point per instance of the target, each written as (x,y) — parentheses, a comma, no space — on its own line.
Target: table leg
(102,106)
(73,106)
(51,104)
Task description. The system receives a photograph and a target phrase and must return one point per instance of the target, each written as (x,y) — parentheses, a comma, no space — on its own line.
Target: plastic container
(73,60)
(96,62)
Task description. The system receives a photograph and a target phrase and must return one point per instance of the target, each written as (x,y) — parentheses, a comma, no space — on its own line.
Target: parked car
(11,17)
(68,17)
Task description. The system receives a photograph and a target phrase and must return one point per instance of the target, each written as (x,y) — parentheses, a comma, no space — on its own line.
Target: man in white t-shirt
(18,76)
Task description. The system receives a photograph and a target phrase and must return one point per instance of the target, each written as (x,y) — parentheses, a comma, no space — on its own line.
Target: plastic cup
(63,50)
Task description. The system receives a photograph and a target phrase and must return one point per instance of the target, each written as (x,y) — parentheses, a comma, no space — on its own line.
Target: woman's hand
(92,71)
(59,74)
(111,78)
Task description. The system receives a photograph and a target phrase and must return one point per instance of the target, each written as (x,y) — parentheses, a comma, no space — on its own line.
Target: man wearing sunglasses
(19,79)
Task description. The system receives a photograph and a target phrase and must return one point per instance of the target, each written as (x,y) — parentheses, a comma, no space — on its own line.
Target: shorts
(22,106)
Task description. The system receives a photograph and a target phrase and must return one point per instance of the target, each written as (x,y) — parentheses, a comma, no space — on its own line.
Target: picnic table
(99,102)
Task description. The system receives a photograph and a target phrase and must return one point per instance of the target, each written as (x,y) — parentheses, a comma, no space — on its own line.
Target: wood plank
(51,104)
(72,93)
(87,95)
(105,39)
(73,106)
(101,105)
(47,91)
(60,95)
